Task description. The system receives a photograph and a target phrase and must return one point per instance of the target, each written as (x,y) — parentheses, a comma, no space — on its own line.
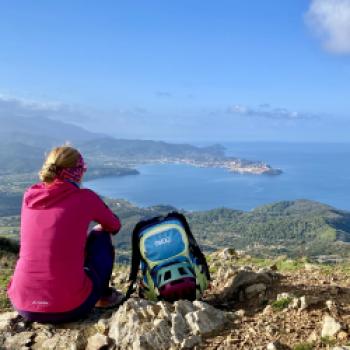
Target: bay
(319,172)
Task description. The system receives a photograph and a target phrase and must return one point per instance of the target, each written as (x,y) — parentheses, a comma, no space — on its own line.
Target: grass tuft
(281,303)
(303,346)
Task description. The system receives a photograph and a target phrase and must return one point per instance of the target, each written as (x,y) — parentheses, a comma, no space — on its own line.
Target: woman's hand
(97,227)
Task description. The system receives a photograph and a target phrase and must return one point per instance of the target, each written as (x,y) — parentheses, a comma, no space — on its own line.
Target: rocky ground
(252,304)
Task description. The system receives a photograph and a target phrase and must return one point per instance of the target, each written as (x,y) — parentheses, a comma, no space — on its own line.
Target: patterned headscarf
(73,174)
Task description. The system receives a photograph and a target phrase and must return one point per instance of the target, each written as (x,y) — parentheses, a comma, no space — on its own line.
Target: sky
(181,70)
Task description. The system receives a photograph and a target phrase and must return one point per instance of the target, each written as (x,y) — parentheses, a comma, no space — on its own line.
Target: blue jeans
(98,266)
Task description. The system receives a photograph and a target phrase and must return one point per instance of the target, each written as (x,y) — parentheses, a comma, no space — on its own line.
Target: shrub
(281,303)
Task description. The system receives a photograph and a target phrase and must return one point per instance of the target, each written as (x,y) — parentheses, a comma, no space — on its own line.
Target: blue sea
(319,172)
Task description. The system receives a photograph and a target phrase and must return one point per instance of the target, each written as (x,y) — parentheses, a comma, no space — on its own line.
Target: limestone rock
(158,338)
(6,319)
(97,342)
(19,340)
(330,327)
(254,290)
(144,325)
(295,303)
(191,341)
(71,340)
(183,307)
(141,324)
(331,306)
(138,324)
(342,336)
(102,326)
(271,346)
(179,328)
(241,281)
(206,322)
(276,345)
(307,301)
(312,337)
(165,309)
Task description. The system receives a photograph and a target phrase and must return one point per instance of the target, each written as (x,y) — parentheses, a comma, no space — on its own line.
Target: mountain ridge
(40,134)
(295,228)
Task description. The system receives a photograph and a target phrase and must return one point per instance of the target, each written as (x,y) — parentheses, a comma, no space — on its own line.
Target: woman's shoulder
(88,193)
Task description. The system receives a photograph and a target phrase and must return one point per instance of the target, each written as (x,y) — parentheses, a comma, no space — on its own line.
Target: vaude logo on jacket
(40,302)
(165,240)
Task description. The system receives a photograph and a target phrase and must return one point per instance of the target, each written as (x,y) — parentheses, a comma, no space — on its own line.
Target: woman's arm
(102,214)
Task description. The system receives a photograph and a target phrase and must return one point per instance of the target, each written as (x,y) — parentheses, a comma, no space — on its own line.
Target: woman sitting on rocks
(62,271)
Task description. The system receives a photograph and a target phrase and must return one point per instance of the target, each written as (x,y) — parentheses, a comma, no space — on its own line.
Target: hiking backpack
(172,264)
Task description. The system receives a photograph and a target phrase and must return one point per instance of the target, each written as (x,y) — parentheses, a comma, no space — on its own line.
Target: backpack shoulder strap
(135,258)
(135,251)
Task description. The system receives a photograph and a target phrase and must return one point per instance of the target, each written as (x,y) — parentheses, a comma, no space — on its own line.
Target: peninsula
(23,146)
(118,153)
(233,165)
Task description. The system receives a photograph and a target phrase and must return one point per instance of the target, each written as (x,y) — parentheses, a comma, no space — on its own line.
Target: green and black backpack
(172,264)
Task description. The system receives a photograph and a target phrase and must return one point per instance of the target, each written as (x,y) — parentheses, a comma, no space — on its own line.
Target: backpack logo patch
(162,241)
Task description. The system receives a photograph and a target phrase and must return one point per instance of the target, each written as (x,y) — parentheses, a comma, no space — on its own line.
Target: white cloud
(17,106)
(330,20)
(238,109)
(117,121)
(269,112)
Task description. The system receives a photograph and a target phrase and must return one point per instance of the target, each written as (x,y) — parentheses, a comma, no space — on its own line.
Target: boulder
(207,320)
(184,307)
(179,327)
(141,324)
(254,290)
(308,300)
(191,341)
(159,338)
(165,309)
(98,342)
(65,340)
(330,327)
(241,281)
(6,320)
(19,340)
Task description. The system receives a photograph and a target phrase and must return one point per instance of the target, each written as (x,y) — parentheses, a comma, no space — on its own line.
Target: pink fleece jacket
(49,275)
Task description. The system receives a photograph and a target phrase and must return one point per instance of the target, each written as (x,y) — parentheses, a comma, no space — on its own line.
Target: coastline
(232,165)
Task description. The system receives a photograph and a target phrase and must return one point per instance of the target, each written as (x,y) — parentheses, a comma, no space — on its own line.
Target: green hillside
(135,150)
(295,228)
(290,227)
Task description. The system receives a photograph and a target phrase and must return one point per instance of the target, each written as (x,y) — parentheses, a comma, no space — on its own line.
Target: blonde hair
(59,158)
